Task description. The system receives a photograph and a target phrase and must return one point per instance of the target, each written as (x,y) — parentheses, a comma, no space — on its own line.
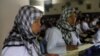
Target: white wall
(8,10)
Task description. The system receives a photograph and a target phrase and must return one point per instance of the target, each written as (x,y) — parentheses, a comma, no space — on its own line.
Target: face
(72,19)
(36,26)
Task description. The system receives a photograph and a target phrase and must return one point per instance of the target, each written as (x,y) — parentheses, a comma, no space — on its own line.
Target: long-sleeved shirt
(17,51)
(96,39)
(75,38)
(55,42)
(85,26)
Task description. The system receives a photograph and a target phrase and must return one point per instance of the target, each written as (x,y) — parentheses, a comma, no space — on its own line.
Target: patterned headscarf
(64,26)
(21,33)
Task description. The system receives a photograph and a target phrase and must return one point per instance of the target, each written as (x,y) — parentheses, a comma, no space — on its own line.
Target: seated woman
(95,49)
(22,38)
(96,39)
(59,36)
(85,26)
(87,31)
(78,26)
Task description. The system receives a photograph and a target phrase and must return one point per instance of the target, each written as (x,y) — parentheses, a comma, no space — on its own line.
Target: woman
(22,38)
(96,39)
(66,24)
(85,26)
(56,36)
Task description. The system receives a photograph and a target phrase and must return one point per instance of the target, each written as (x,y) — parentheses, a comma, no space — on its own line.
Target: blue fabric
(92,51)
(43,46)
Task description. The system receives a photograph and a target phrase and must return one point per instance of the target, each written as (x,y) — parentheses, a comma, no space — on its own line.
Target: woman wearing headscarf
(66,24)
(22,38)
(58,37)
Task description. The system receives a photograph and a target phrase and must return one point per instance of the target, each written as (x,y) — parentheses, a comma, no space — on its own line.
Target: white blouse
(75,39)
(55,42)
(85,26)
(17,51)
(96,39)
(78,28)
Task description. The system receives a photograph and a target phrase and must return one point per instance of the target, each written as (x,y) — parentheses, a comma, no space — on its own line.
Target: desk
(80,48)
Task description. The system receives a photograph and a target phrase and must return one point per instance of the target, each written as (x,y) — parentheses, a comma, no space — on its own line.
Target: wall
(94,6)
(56,9)
(8,10)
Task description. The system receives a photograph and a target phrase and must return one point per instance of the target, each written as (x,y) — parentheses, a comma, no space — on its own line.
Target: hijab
(64,26)
(21,33)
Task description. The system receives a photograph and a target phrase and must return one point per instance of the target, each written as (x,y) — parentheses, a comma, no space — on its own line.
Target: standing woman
(22,38)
